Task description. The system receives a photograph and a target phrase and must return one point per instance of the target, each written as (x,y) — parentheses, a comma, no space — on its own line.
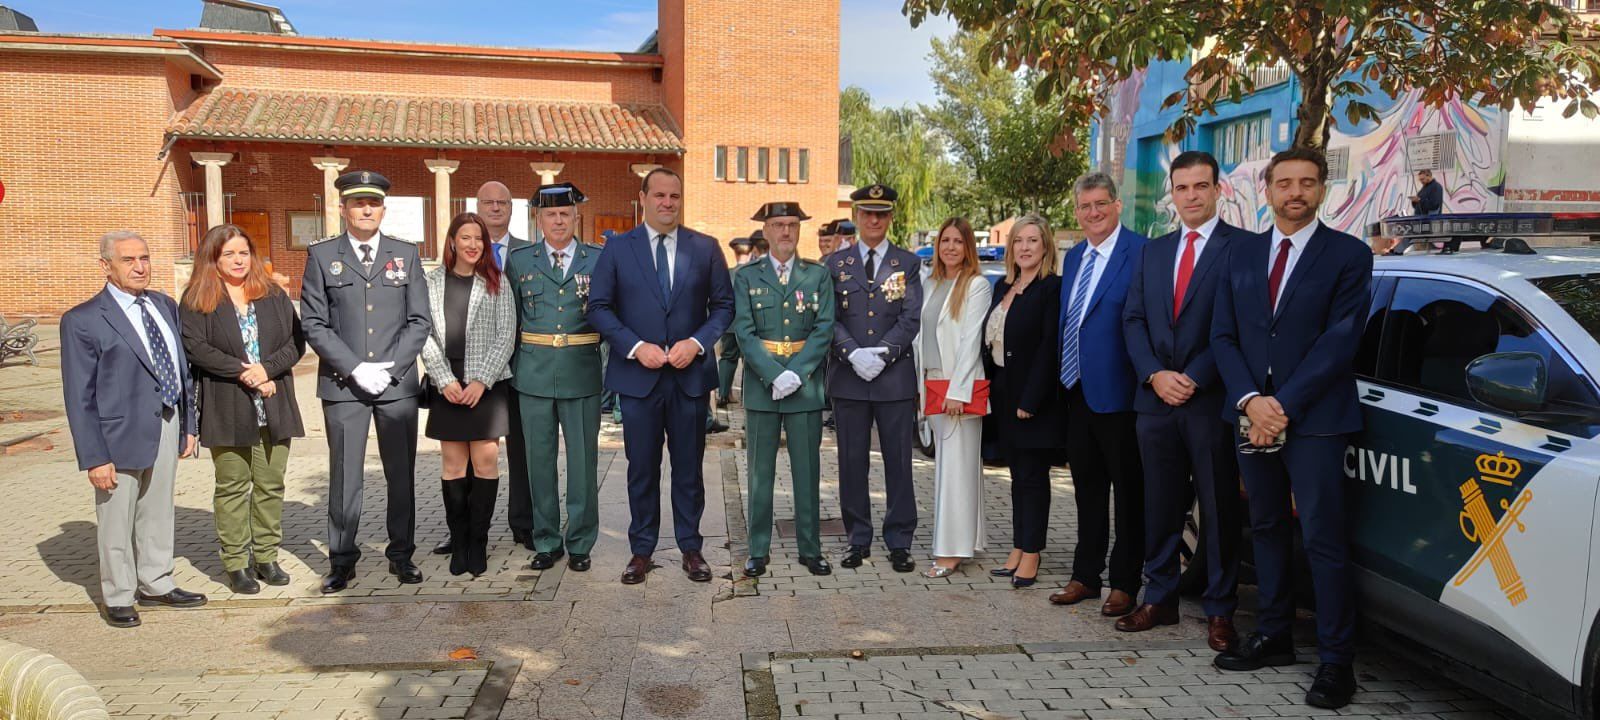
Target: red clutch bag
(935,392)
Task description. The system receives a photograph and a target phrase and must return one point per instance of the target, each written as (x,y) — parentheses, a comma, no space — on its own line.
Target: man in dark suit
(131,409)
(1291,306)
(1429,199)
(1102,446)
(1167,324)
(661,296)
(364,307)
(872,376)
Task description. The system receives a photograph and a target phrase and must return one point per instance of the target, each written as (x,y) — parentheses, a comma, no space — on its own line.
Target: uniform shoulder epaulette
(323,240)
(809,261)
(520,248)
(593,246)
(746,266)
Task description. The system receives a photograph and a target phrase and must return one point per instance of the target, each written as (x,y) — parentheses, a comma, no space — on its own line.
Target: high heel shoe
(1003,572)
(1018,581)
(935,572)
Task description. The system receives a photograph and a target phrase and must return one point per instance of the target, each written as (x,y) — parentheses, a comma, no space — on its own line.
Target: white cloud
(880,52)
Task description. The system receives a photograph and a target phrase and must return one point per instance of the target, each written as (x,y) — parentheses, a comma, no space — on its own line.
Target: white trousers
(957,485)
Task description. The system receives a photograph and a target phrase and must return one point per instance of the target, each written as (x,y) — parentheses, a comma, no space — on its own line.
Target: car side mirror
(1515,382)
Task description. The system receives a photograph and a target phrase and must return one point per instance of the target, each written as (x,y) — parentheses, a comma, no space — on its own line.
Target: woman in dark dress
(467,355)
(1021,349)
(243,339)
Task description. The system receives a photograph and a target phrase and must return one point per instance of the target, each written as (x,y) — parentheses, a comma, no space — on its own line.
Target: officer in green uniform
(727,347)
(783,319)
(556,370)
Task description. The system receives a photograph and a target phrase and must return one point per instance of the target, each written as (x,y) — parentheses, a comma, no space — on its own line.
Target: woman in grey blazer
(243,338)
(467,354)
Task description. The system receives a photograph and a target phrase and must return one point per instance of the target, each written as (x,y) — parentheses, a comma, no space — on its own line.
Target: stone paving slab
(387,692)
(1080,680)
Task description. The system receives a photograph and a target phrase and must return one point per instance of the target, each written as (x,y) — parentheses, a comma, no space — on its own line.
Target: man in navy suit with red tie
(661,297)
(1168,328)
(1291,307)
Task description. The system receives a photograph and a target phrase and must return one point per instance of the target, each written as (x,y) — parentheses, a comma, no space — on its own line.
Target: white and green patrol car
(1477,476)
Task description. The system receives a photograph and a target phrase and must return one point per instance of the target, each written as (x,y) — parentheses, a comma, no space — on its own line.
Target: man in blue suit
(1291,306)
(661,297)
(1168,327)
(131,409)
(1099,381)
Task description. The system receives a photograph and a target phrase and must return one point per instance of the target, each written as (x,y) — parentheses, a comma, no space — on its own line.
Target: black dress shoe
(1256,652)
(271,574)
(900,560)
(122,616)
(578,563)
(405,571)
(817,565)
(755,567)
(176,597)
(337,580)
(547,560)
(854,556)
(1332,687)
(444,548)
(1018,581)
(240,582)
(1003,572)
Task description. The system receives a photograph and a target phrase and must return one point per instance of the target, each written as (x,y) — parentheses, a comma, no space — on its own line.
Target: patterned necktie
(160,356)
(663,270)
(560,260)
(1185,271)
(499,256)
(872,265)
(366,256)
(783,273)
(1275,280)
(1069,331)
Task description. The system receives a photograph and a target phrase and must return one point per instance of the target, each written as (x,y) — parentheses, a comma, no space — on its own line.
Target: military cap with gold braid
(361,183)
(876,197)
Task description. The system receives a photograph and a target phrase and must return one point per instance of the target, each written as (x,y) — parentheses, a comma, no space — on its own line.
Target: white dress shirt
(566,255)
(883,249)
(1205,230)
(778,266)
(1297,247)
(373,243)
(131,309)
(1103,253)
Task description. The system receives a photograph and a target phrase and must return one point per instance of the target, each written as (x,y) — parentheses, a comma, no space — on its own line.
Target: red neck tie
(1185,270)
(1275,280)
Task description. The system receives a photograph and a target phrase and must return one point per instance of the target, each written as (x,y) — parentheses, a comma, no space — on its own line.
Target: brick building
(243,120)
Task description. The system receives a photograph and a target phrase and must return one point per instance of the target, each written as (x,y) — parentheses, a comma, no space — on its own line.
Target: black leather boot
(456,496)
(480,515)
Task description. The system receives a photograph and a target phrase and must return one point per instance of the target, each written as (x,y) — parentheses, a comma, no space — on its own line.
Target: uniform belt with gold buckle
(560,340)
(783,347)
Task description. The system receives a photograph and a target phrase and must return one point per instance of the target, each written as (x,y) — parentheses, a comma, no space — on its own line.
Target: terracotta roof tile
(312,117)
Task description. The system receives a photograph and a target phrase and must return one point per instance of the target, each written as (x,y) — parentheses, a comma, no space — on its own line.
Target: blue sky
(879,50)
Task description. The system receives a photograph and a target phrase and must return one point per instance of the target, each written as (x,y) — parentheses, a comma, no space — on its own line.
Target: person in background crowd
(1186,453)
(364,307)
(844,234)
(1022,341)
(467,355)
(1429,199)
(728,346)
(1288,366)
(131,411)
(950,354)
(557,371)
(241,333)
(783,318)
(1102,446)
(873,377)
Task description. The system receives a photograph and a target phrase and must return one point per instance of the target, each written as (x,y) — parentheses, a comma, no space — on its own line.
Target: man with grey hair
(1098,379)
(131,410)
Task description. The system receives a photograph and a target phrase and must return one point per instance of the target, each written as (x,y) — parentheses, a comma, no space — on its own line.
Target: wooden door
(255,224)
(616,223)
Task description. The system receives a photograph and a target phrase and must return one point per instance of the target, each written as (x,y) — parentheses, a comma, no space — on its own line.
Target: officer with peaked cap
(783,317)
(364,306)
(872,377)
(556,371)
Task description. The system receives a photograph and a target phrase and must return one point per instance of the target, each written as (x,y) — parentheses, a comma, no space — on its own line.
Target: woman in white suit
(956,300)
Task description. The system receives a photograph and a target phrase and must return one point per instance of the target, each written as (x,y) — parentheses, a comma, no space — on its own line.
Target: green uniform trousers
(804,430)
(578,420)
(248,503)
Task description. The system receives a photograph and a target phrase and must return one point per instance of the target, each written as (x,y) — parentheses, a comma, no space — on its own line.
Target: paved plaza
(517,643)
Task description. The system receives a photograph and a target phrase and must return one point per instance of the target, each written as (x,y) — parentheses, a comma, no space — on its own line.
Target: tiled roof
(441,122)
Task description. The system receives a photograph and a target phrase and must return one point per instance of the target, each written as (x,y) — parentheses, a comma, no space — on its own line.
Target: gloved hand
(373,377)
(868,362)
(785,385)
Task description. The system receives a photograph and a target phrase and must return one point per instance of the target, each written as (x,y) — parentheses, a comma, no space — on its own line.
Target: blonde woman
(952,331)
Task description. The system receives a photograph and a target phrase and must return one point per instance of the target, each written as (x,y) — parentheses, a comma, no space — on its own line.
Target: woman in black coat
(243,340)
(1021,349)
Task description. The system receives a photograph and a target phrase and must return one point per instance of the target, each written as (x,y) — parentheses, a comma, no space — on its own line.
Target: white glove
(785,385)
(373,377)
(868,362)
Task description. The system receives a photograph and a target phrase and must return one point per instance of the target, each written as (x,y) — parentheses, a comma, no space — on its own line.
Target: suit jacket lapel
(1302,265)
(680,265)
(644,254)
(119,322)
(1166,271)
(1119,256)
(541,259)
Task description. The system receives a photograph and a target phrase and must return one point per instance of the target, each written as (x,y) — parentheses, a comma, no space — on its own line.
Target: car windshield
(1579,295)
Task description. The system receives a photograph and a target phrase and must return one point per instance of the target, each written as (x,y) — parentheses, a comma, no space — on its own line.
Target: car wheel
(1191,554)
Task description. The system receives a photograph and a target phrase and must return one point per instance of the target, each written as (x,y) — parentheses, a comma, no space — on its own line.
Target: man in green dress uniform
(783,319)
(557,374)
(727,347)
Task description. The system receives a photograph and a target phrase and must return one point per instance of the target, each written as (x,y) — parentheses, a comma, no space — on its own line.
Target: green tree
(893,146)
(1499,52)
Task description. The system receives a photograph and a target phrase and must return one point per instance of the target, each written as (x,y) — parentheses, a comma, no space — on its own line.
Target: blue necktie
(663,270)
(160,356)
(499,256)
(1069,331)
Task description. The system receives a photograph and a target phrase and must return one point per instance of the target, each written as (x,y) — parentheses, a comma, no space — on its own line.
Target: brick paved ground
(390,693)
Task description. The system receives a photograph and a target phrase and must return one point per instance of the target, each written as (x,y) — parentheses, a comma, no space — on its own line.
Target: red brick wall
(753,74)
(78,142)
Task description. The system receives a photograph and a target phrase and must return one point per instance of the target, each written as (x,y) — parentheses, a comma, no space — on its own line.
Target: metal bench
(18,340)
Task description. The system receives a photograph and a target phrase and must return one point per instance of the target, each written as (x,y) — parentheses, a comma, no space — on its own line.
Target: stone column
(441,170)
(330,167)
(547,171)
(216,212)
